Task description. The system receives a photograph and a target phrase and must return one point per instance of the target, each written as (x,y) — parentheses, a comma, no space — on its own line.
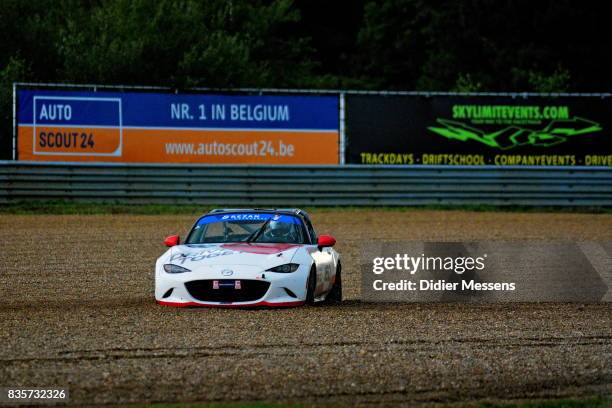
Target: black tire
(335,294)
(311,285)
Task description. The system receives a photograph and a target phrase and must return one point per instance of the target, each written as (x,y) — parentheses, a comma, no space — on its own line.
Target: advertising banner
(483,130)
(177,128)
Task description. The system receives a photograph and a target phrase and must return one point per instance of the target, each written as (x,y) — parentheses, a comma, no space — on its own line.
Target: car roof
(289,211)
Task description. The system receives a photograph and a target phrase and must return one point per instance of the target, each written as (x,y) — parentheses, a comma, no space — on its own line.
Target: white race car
(249,257)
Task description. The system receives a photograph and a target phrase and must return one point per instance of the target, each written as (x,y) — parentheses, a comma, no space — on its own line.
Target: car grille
(250,290)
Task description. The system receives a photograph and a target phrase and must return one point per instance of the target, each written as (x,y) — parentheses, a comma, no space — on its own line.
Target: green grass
(65,207)
(68,207)
(220,405)
(596,402)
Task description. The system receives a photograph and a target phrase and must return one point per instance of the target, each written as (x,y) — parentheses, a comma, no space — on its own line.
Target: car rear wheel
(335,294)
(311,285)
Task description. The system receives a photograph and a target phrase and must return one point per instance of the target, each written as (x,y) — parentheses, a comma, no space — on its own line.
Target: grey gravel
(77,310)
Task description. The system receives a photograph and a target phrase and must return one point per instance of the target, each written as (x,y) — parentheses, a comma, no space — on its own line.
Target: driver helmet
(279,229)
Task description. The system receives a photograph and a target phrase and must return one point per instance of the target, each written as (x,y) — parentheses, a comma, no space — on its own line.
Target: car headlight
(171,268)
(286,268)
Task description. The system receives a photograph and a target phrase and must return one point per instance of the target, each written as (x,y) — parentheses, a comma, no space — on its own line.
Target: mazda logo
(227,272)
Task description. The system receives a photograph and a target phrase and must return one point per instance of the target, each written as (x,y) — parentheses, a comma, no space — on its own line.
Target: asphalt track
(77,311)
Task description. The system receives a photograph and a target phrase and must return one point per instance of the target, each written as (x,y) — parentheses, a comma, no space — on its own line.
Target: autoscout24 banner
(143,127)
(491,130)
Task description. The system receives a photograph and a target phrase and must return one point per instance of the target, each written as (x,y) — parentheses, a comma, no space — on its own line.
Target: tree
(185,43)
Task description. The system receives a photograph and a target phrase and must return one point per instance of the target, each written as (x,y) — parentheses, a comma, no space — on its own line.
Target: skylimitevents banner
(174,128)
(487,130)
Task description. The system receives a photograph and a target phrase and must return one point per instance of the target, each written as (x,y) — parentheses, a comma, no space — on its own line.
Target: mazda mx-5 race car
(249,257)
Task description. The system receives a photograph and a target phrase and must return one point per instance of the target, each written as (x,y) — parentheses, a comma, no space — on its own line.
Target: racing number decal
(327,272)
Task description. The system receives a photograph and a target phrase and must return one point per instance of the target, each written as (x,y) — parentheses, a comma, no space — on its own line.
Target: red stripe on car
(233,305)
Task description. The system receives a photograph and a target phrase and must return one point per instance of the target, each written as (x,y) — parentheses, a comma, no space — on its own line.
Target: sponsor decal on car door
(325,269)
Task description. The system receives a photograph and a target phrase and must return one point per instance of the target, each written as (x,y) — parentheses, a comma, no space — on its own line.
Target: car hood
(259,254)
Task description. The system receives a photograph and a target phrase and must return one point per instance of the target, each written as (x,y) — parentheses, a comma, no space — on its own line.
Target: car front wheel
(311,284)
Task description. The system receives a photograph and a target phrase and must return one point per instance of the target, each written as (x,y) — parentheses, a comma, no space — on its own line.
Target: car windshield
(247,227)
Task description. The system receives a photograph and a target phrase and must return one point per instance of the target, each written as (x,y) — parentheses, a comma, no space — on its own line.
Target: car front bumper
(246,286)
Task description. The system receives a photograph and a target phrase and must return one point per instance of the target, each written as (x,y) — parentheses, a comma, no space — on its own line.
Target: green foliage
(15,70)
(183,43)
(558,81)
(465,83)
(498,45)
(483,45)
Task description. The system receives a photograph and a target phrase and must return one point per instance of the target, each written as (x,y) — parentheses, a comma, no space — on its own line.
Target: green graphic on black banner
(557,131)
(477,130)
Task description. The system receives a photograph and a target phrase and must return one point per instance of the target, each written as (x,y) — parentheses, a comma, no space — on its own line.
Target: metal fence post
(342,129)
(14,121)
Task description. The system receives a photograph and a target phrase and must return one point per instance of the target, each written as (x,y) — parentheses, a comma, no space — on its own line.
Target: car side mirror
(326,241)
(172,240)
